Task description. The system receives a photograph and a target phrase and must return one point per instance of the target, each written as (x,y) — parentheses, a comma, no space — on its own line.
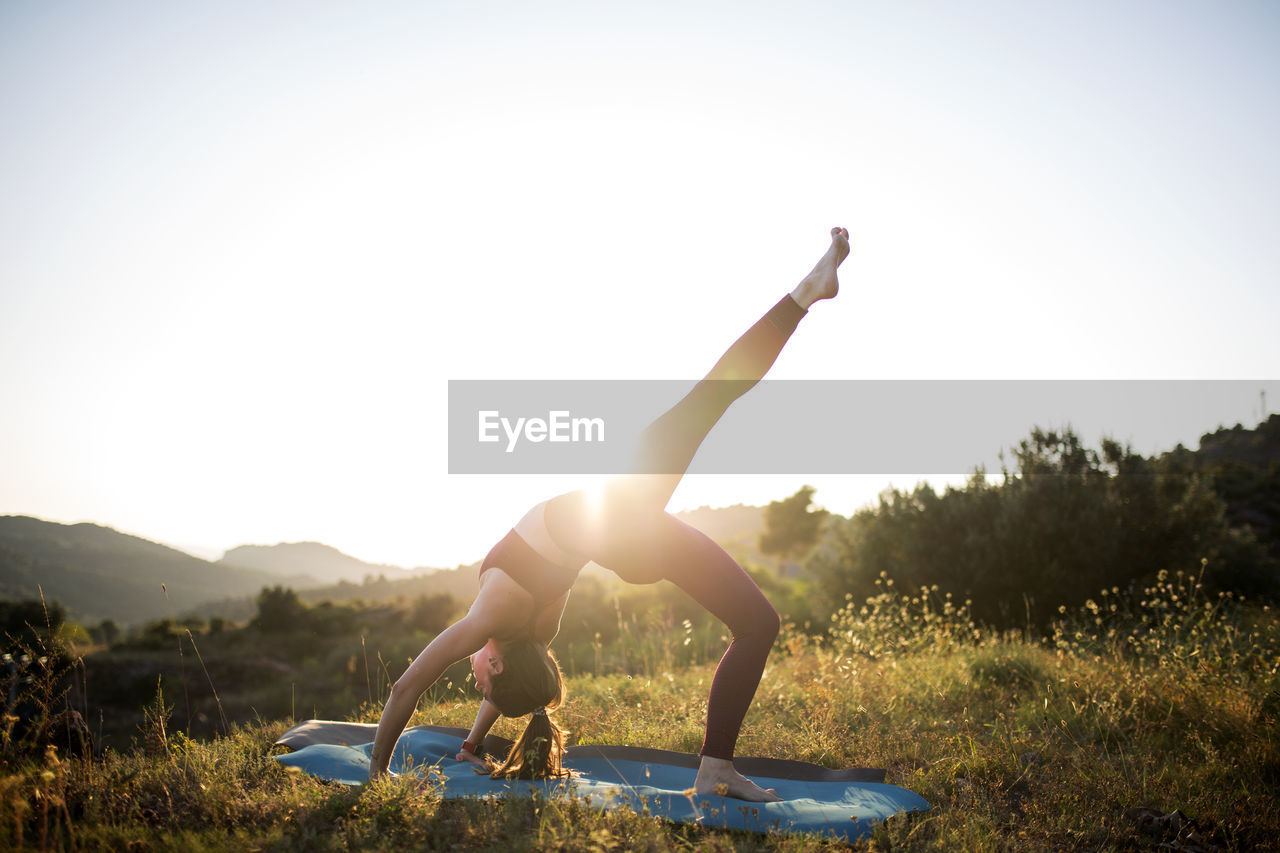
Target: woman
(525,579)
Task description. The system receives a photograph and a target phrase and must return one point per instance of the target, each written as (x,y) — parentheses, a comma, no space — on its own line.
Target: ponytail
(538,752)
(530,683)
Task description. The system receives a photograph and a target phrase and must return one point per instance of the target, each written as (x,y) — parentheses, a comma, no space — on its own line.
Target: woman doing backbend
(526,578)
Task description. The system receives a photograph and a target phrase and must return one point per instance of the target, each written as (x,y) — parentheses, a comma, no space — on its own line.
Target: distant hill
(1244,467)
(1257,448)
(736,528)
(326,564)
(737,523)
(462,583)
(99,573)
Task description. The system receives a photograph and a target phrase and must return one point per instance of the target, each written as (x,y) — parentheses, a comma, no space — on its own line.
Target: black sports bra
(544,580)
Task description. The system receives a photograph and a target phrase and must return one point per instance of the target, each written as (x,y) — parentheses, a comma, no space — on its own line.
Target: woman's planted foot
(717,776)
(822,283)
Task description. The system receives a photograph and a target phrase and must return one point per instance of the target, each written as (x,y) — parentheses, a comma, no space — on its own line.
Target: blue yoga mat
(840,803)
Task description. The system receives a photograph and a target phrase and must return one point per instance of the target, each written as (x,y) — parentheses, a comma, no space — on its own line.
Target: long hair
(530,683)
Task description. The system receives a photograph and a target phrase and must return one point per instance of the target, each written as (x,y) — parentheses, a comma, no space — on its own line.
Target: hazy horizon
(215,553)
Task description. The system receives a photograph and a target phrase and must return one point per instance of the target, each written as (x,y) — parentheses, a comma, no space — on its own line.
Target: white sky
(244,246)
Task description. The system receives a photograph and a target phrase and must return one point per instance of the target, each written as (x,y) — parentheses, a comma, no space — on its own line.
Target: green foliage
(30,623)
(280,611)
(36,672)
(892,623)
(1244,467)
(1010,665)
(1065,521)
(331,660)
(626,629)
(105,632)
(791,528)
(1018,744)
(1161,693)
(1175,625)
(460,584)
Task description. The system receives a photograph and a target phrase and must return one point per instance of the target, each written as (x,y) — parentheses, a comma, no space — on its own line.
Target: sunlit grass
(1018,744)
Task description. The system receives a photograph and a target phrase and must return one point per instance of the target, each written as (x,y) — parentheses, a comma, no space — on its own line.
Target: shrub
(1175,623)
(895,623)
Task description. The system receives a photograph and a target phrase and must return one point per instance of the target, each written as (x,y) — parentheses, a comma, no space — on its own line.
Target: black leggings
(632,534)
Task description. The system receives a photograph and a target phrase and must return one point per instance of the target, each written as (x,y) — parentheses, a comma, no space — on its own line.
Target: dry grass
(1019,744)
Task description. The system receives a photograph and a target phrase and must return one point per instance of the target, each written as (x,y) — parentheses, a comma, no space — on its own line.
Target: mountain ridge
(97,572)
(323,562)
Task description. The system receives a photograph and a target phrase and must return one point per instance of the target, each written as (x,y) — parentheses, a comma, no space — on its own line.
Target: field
(1143,721)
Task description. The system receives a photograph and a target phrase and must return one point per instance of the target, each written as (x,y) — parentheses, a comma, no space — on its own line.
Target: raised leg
(632,535)
(667,446)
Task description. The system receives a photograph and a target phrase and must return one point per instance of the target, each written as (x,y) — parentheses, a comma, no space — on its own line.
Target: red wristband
(473,748)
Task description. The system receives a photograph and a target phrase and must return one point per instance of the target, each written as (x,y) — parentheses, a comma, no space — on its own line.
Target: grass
(1168,702)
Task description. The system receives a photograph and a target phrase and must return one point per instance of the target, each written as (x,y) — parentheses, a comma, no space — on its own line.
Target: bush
(1065,522)
(894,623)
(1175,623)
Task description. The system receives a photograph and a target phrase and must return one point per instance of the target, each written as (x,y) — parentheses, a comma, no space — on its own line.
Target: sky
(244,246)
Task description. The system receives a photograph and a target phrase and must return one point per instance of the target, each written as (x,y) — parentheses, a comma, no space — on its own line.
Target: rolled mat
(840,803)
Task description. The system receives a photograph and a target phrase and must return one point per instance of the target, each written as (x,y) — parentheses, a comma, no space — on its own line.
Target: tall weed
(893,623)
(1175,626)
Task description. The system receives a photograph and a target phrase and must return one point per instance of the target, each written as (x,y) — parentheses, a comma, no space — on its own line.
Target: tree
(279,610)
(1066,522)
(30,623)
(433,613)
(106,632)
(791,529)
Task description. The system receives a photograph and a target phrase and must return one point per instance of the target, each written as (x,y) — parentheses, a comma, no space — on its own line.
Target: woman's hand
(486,716)
(482,764)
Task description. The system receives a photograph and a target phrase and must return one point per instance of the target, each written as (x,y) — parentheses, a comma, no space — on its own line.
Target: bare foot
(719,777)
(822,283)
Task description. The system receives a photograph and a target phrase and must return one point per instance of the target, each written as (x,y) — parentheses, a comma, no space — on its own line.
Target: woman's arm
(452,644)
(485,718)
